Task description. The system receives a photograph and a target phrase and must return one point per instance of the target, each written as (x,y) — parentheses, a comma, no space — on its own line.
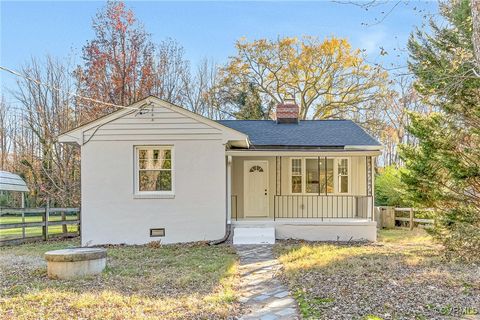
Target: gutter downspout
(228,211)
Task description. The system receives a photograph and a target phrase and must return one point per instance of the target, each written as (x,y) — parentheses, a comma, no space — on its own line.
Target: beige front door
(256,188)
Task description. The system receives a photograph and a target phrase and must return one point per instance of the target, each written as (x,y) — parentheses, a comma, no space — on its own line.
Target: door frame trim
(246,166)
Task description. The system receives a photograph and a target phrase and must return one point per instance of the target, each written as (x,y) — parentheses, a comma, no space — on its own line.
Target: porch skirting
(330,230)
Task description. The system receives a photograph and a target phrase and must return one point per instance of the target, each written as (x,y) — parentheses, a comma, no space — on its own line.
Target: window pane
(328,175)
(155,180)
(155,154)
(147,154)
(164,183)
(167,164)
(296,175)
(154,164)
(256,169)
(344,184)
(147,180)
(296,167)
(343,167)
(343,175)
(297,184)
(142,154)
(311,171)
(167,154)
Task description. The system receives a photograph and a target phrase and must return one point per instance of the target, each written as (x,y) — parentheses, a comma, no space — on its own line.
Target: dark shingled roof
(307,133)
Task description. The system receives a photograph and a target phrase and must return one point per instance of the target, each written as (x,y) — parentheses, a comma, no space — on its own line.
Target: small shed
(13,182)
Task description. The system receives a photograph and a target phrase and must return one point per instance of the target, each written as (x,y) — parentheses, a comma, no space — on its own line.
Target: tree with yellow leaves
(327,78)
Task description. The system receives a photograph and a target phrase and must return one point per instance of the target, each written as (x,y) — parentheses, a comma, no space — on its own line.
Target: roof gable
(137,111)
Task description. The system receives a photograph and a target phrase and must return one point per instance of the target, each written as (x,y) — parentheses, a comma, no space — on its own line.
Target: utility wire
(67,92)
(82,97)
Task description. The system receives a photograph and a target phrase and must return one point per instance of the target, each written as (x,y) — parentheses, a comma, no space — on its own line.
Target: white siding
(111,213)
(147,125)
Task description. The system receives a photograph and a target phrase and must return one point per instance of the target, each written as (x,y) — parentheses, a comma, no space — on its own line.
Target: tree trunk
(475,6)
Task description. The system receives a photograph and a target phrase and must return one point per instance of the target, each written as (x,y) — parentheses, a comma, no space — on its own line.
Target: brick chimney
(287,112)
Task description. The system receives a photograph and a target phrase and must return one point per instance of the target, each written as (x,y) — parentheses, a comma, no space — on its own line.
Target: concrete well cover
(75,254)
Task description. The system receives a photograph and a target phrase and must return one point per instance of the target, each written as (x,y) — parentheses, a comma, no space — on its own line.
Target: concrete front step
(248,235)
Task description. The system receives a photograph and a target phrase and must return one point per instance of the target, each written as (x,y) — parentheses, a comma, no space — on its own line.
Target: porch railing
(323,207)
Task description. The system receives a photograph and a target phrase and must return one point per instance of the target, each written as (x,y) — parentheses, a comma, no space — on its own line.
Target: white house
(156,171)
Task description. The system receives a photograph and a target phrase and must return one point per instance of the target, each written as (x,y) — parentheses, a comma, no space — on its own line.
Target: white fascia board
(69,138)
(303,153)
(353,147)
(12,187)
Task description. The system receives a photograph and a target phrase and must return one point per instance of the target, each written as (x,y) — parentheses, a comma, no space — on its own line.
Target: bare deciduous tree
(52,169)
(7,130)
(201,95)
(171,71)
(475,7)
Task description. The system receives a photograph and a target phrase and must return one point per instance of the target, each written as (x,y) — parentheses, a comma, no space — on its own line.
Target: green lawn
(141,282)
(403,276)
(33,231)
(18,219)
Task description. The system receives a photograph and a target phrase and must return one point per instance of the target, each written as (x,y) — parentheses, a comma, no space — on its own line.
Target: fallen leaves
(406,277)
(192,281)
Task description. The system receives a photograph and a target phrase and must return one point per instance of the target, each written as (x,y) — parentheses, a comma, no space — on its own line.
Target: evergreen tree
(443,169)
(389,189)
(250,104)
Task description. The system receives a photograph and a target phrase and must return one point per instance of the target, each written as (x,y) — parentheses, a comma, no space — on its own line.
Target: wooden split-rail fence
(389,217)
(411,219)
(19,225)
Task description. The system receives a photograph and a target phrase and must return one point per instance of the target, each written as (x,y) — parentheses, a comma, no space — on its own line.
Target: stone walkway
(263,295)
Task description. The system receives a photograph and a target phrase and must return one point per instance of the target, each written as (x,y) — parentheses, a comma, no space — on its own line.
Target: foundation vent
(157,232)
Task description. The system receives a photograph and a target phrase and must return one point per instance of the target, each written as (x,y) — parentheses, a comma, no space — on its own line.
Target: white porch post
(229,189)
(370,177)
(372,213)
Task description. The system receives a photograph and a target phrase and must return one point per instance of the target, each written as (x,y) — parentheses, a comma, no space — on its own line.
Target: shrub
(389,188)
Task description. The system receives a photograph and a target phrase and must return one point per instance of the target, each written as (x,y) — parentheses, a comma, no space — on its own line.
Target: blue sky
(205,29)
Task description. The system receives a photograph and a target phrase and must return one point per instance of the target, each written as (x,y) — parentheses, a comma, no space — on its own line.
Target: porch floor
(300,221)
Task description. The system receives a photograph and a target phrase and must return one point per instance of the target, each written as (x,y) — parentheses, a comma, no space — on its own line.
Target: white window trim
(302,174)
(336,186)
(349,176)
(152,194)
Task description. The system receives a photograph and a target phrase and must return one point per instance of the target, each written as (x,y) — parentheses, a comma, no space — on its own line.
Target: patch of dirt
(16,261)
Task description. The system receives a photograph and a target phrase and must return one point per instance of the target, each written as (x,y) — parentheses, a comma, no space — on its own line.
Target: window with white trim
(311,176)
(326,176)
(296,179)
(154,170)
(317,175)
(342,173)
